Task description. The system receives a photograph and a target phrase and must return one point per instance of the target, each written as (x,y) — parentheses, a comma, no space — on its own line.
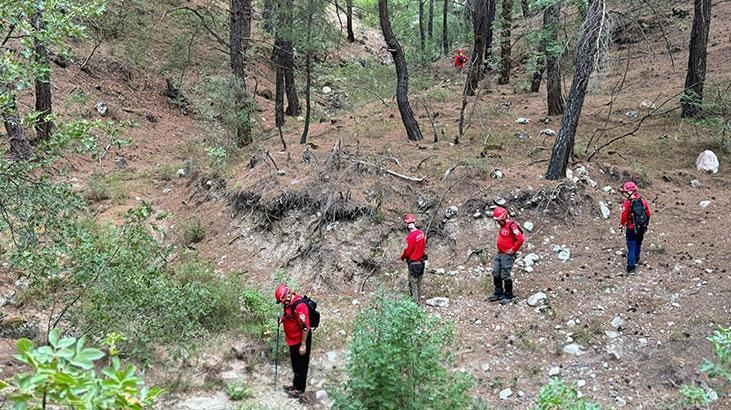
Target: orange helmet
(409,218)
(499,213)
(281,292)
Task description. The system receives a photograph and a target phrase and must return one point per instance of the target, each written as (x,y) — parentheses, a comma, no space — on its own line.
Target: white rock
(617,322)
(564,255)
(528,225)
(642,341)
(440,271)
(704,204)
(355,302)
(522,120)
(500,201)
(321,395)
(571,323)
(696,183)
(477,215)
(496,174)
(505,393)
(605,210)
(615,351)
(326,90)
(554,371)
(485,367)
(611,334)
(182,172)
(530,259)
(101,108)
(548,132)
(451,212)
(707,161)
(631,114)
(580,383)
(332,357)
(438,302)
(608,189)
(537,299)
(574,349)
(647,105)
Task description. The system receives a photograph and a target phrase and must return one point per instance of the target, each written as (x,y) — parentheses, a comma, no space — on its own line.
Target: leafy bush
(720,368)
(399,358)
(193,231)
(237,392)
(64,374)
(215,104)
(556,395)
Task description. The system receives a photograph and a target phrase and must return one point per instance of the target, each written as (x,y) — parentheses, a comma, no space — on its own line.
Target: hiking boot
(295,394)
(498,290)
(632,269)
(508,295)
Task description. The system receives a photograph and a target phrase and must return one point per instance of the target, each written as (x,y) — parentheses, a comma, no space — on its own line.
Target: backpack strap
(293,307)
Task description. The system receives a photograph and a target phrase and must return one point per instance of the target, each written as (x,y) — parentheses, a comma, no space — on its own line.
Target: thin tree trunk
(594,27)
(402,75)
(349,24)
(422,38)
(293,104)
(239,32)
(279,83)
(525,7)
(554,96)
(19,145)
(697,54)
(535,83)
(445,39)
(430,22)
(42,84)
(489,30)
(478,25)
(505,46)
(308,75)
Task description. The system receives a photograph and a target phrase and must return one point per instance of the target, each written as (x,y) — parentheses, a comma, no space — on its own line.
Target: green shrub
(556,395)
(719,369)
(97,189)
(238,392)
(193,231)
(399,360)
(64,374)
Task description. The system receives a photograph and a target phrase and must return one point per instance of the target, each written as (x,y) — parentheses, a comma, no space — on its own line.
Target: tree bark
(697,54)
(43,123)
(445,39)
(293,104)
(505,46)
(402,75)
(422,38)
(430,21)
(554,96)
(489,31)
(594,26)
(20,147)
(279,83)
(479,21)
(525,8)
(535,83)
(239,32)
(349,24)
(308,74)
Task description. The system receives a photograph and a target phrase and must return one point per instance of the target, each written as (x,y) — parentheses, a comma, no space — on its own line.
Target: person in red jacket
(509,240)
(296,324)
(414,256)
(460,59)
(635,218)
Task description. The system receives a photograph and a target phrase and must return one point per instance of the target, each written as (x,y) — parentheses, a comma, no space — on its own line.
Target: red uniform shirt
(625,219)
(415,244)
(460,60)
(509,237)
(294,322)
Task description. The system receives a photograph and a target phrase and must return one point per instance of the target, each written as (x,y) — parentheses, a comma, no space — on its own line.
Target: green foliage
(556,395)
(716,113)
(238,392)
(399,360)
(214,103)
(695,396)
(193,231)
(63,373)
(720,369)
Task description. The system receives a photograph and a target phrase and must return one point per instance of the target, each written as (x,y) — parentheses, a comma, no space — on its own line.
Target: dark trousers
(634,245)
(300,364)
(416,272)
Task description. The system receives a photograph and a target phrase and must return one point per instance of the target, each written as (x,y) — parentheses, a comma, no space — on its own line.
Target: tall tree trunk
(479,22)
(535,83)
(402,75)
(293,104)
(422,38)
(554,96)
(430,22)
(697,53)
(349,24)
(308,74)
(594,27)
(279,82)
(445,38)
(505,46)
(239,32)
(489,30)
(19,145)
(525,7)
(42,83)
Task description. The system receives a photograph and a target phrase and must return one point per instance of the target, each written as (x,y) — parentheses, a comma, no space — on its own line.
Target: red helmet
(629,187)
(499,213)
(281,292)
(459,50)
(409,218)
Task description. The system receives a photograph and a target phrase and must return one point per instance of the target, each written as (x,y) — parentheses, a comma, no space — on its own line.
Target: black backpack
(639,215)
(312,306)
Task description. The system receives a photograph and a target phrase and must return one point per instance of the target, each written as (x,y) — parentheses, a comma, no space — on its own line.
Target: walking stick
(276,356)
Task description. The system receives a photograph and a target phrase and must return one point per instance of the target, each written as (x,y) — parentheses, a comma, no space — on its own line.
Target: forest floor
(331,218)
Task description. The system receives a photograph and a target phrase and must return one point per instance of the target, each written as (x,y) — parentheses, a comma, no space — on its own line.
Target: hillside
(328,213)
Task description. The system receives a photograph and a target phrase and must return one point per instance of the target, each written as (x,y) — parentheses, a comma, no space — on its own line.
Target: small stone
(528,225)
(451,212)
(605,210)
(522,120)
(477,215)
(647,105)
(617,322)
(321,395)
(355,302)
(608,189)
(580,383)
(326,90)
(102,108)
(571,323)
(537,299)
(500,201)
(167,190)
(548,132)
(631,114)
(564,255)
(574,349)
(496,174)
(182,173)
(615,351)
(707,161)
(331,356)
(440,271)
(280,172)
(485,367)
(695,183)
(642,341)
(531,259)
(611,334)
(438,302)
(545,120)
(452,273)
(554,371)
(521,135)
(704,204)
(505,393)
